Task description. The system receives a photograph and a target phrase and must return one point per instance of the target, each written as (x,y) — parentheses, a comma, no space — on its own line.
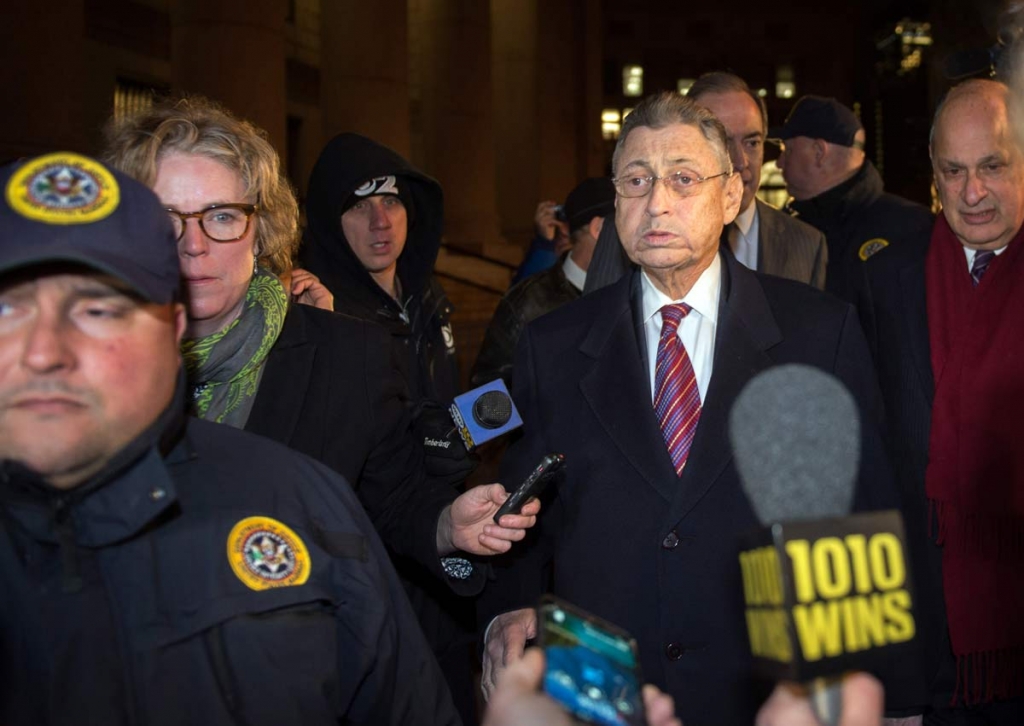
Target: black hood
(348,161)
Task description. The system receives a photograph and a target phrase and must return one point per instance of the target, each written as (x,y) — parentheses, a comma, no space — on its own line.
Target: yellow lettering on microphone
(818,629)
(799,551)
(899,619)
(858,546)
(831,567)
(769,636)
(870,619)
(887,564)
(762,579)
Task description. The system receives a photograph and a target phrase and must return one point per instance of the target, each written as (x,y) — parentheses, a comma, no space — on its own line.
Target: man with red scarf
(949,345)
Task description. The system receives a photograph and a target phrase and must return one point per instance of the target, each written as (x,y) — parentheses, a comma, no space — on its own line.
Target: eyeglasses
(219,222)
(681,183)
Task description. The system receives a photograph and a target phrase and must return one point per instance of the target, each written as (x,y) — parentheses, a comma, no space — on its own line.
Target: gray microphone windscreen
(795,434)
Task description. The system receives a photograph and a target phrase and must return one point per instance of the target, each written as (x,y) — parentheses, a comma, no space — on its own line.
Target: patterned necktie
(676,399)
(982,260)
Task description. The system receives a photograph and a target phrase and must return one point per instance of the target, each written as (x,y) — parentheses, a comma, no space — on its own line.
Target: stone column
(233,51)
(364,70)
(451,73)
(44,76)
(518,115)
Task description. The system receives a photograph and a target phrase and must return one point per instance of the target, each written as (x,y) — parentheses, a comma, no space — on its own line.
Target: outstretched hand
(518,700)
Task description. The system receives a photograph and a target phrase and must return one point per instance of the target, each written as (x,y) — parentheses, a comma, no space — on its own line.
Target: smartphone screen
(591,668)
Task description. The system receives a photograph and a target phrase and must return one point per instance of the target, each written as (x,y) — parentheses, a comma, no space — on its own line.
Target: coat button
(671,541)
(674,651)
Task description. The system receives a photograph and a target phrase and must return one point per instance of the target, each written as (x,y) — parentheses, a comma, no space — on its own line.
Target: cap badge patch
(63,188)
(377,185)
(265,553)
(871,247)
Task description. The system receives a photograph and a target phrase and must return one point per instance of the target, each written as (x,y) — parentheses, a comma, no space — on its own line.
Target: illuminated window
(633,81)
(785,86)
(683,85)
(611,123)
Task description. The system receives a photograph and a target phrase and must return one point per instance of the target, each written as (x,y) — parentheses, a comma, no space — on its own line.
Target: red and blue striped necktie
(676,398)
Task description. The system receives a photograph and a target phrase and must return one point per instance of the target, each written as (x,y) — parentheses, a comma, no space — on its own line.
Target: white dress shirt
(574,274)
(744,242)
(696,331)
(971,254)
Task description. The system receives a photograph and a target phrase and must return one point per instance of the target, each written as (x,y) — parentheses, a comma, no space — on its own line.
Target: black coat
(330,389)
(527,300)
(623,536)
(161,630)
(900,344)
(860,220)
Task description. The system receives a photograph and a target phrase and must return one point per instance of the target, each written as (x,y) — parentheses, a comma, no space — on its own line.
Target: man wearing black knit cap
(838,190)
(585,208)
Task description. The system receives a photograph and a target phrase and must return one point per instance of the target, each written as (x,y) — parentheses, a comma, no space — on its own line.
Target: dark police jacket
(859,220)
(226,581)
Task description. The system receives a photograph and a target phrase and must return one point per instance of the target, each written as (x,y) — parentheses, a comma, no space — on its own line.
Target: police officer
(158,569)
(837,189)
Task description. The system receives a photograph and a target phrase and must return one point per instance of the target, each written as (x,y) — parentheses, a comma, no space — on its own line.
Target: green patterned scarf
(224,368)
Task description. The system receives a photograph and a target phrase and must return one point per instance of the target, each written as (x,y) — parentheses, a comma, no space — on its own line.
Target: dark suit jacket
(623,536)
(786,247)
(330,390)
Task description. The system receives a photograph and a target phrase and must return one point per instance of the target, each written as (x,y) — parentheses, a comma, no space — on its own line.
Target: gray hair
(668,108)
(725,82)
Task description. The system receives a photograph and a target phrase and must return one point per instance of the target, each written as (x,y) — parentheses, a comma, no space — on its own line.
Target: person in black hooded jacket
(373,232)
(372,236)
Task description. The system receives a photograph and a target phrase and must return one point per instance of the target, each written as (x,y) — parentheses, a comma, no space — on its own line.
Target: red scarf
(975,476)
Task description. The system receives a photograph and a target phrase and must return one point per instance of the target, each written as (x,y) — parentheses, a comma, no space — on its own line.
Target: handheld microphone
(826,592)
(484,413)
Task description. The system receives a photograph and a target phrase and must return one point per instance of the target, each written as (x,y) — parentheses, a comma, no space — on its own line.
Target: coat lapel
(770,253)
(617,389)
(275,414)
(746,330)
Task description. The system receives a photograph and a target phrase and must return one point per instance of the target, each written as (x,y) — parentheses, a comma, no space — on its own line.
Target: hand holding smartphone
(592,669)
(531,486)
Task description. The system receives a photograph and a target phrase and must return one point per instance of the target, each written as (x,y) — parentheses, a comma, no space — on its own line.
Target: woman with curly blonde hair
(321,383)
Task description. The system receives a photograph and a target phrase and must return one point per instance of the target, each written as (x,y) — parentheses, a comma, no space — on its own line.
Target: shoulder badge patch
(265,553)
(871,247)
(63,188)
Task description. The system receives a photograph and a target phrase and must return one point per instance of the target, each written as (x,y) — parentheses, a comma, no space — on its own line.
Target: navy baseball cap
(817,117)
(65,207)
(593,197)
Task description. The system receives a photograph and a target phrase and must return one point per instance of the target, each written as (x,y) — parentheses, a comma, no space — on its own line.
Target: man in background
(586,208)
